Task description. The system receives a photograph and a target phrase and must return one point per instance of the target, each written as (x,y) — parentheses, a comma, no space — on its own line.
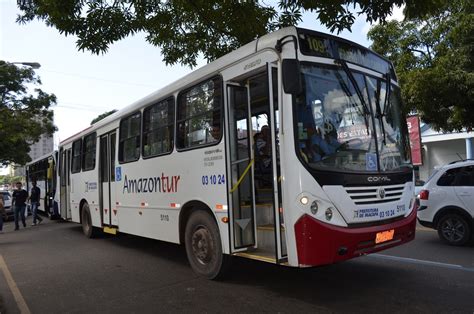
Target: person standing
(19,198)
(2,212)
(35,201)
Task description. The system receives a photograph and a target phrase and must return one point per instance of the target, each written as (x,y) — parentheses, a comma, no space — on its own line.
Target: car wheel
(203,246)
(454,229)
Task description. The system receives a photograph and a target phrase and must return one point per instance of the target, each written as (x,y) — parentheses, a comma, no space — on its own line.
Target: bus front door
(107,179)
(257,224)
(242,215)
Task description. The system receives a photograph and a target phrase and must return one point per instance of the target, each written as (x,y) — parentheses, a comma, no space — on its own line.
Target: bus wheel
(203,246)
(87,228)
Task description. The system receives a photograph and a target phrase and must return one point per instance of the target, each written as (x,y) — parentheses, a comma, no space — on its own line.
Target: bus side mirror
(291,76)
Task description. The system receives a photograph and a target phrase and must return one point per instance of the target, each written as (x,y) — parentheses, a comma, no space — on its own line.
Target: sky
(87,85)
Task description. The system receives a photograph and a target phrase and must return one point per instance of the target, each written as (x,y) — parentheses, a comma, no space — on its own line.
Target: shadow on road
(317,286)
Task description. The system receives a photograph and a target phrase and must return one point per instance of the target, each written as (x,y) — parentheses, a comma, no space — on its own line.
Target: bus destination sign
(321,45)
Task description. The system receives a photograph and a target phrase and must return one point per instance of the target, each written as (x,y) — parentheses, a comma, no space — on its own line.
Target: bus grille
(375,195)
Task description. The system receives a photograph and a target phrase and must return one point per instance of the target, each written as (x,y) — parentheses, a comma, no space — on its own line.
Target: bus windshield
(350,121)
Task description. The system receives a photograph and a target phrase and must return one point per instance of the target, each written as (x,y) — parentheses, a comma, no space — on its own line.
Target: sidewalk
(9,226)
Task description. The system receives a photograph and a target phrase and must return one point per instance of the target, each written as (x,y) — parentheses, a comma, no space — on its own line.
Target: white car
(447,202)
(7,203)
(418,186)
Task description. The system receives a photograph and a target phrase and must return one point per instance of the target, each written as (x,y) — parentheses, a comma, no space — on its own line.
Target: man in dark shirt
(19,198)
(35,201)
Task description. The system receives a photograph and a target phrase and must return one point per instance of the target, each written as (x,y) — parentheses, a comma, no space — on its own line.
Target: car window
(465,177)
(435,171)
(448,178)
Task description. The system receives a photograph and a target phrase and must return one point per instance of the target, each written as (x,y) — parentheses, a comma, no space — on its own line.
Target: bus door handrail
(242,176)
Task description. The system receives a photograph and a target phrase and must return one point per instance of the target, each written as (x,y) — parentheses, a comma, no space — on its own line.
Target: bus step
(266,237)
(259,256)
(265,214)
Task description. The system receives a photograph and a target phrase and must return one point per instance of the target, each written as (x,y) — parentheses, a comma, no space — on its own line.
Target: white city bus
(43,171)
(272,152)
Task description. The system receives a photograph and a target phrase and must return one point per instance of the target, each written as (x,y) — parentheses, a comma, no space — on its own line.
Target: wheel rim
(453,229)
(202,245)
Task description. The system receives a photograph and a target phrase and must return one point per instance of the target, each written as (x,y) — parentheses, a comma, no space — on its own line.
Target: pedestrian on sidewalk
(2,212)
(35,201)
(19,199)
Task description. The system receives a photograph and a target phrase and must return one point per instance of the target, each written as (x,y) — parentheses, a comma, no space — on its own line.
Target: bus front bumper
(319,243)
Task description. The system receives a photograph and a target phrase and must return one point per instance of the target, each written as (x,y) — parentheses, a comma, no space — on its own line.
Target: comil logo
(378,179)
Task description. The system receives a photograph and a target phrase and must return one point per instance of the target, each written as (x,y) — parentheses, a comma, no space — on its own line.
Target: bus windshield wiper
(388,92)
(380,114)
(365,107)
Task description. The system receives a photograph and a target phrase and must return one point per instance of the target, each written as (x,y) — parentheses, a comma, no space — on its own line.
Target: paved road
(53,268)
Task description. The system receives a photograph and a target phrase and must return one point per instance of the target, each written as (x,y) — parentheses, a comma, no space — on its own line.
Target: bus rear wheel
(203,246)
(86,221)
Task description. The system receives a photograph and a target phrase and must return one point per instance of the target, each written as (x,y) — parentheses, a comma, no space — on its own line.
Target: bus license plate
(384,236)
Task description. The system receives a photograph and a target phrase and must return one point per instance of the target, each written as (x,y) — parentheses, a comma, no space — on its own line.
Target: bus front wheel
(86,220)
(203,246)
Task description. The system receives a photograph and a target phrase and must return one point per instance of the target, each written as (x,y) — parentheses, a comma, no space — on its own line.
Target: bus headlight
(304,200)
(329,213)
(314,207)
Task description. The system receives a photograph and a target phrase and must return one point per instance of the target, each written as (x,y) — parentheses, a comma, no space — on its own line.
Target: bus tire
(86,221)
(204,246)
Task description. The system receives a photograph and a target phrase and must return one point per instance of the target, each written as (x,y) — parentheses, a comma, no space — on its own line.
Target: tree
(183,29)
(102,116)
(434,60)
(24,117)
(11,180)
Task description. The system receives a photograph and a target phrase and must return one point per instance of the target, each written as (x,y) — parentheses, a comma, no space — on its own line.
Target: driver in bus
(324,145)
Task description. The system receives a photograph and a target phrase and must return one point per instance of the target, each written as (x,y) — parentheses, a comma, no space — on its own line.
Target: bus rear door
(65,184)
(107,191)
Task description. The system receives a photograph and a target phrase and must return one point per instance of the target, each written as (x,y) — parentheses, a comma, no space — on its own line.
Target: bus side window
(88,152)
(76,156)
(199,114)
(158,126)
(129,138)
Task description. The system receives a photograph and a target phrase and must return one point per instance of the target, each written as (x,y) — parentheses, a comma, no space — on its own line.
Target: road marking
(20,301)
(421,262)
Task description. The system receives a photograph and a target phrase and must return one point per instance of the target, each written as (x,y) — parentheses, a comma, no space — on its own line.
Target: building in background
(442,148)
(430,148)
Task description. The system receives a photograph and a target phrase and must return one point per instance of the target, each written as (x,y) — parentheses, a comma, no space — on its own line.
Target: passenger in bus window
(214,133)
(264,149)
(181,135)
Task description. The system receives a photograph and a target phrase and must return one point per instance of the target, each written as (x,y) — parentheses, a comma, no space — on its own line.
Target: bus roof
(46,156)
(209,70)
